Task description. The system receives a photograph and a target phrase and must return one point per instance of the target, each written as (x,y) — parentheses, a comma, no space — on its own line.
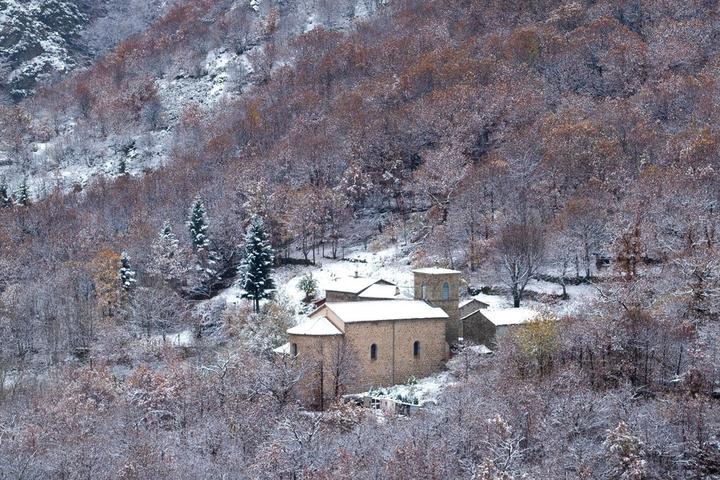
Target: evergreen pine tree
(22,196)
(257,264)
(198,225)
(122,167)
(127,274)
(5,200)
(206,266)
(167,259)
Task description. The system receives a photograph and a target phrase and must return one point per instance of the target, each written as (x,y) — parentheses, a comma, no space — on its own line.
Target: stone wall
(478,329)
(433,283)
(433,348)
(395,361)
(471,307)
(333,296)
(320,359)
(349,356)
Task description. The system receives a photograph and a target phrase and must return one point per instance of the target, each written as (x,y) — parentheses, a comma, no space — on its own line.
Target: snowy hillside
(79,150)
(38,39)
(190,177)
(41,41)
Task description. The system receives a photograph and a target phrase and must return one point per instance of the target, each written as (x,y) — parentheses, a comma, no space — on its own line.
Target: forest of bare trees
(513,140)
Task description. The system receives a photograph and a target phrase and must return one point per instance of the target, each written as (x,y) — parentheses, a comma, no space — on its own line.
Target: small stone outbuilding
(470,306)
(487,326)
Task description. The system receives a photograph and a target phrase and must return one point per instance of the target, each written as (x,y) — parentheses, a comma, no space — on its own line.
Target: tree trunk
(516,297)
(577,267)
(587,261)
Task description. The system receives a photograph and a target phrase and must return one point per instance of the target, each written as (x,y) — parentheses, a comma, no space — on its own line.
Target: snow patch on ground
(185,338)
(9,381)
(580,297)
(390,264)
(310,24)
(421,392)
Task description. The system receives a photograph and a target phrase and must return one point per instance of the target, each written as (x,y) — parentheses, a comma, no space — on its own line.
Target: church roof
(435,270)
(382,291)
(351,284)
(379,310)
(317,326)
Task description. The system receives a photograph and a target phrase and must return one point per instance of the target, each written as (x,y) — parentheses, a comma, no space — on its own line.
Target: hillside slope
(37,40)
(562,154)
(211,52)
(43,40)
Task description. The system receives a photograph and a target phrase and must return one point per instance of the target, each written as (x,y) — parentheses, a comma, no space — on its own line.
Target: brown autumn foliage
(456,119)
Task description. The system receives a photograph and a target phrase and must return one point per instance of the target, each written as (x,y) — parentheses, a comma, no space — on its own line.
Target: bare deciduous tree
(520,248)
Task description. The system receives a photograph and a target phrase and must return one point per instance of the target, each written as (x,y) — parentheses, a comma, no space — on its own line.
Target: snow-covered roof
(283,349)
(351,284)
(379,290)
(509,316)
(379,310)
(318,326)
(435,270)
(490,300)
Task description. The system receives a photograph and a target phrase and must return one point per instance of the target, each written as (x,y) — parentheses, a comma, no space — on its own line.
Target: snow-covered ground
(420,392)
(185,338)
(580,296)
(9,380)
(392,262)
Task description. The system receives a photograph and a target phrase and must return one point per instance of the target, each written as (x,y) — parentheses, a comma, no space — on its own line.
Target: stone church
(368,333)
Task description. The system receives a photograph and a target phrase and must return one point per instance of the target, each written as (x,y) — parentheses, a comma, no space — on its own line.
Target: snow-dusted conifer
(256,267)
(122,167)
(166,259)
(127,274)
(22,196)
(198,225)
(5,200)
(255,5)
(207,260)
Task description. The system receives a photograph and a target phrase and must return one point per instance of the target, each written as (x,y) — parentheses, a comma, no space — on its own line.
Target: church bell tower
(440,287)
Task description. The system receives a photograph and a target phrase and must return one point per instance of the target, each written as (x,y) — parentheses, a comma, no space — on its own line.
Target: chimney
(356,273)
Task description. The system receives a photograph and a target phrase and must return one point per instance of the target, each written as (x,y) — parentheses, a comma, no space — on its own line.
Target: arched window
(424,292)
(446,291)
(373,352)
(293,349)
(416,348)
